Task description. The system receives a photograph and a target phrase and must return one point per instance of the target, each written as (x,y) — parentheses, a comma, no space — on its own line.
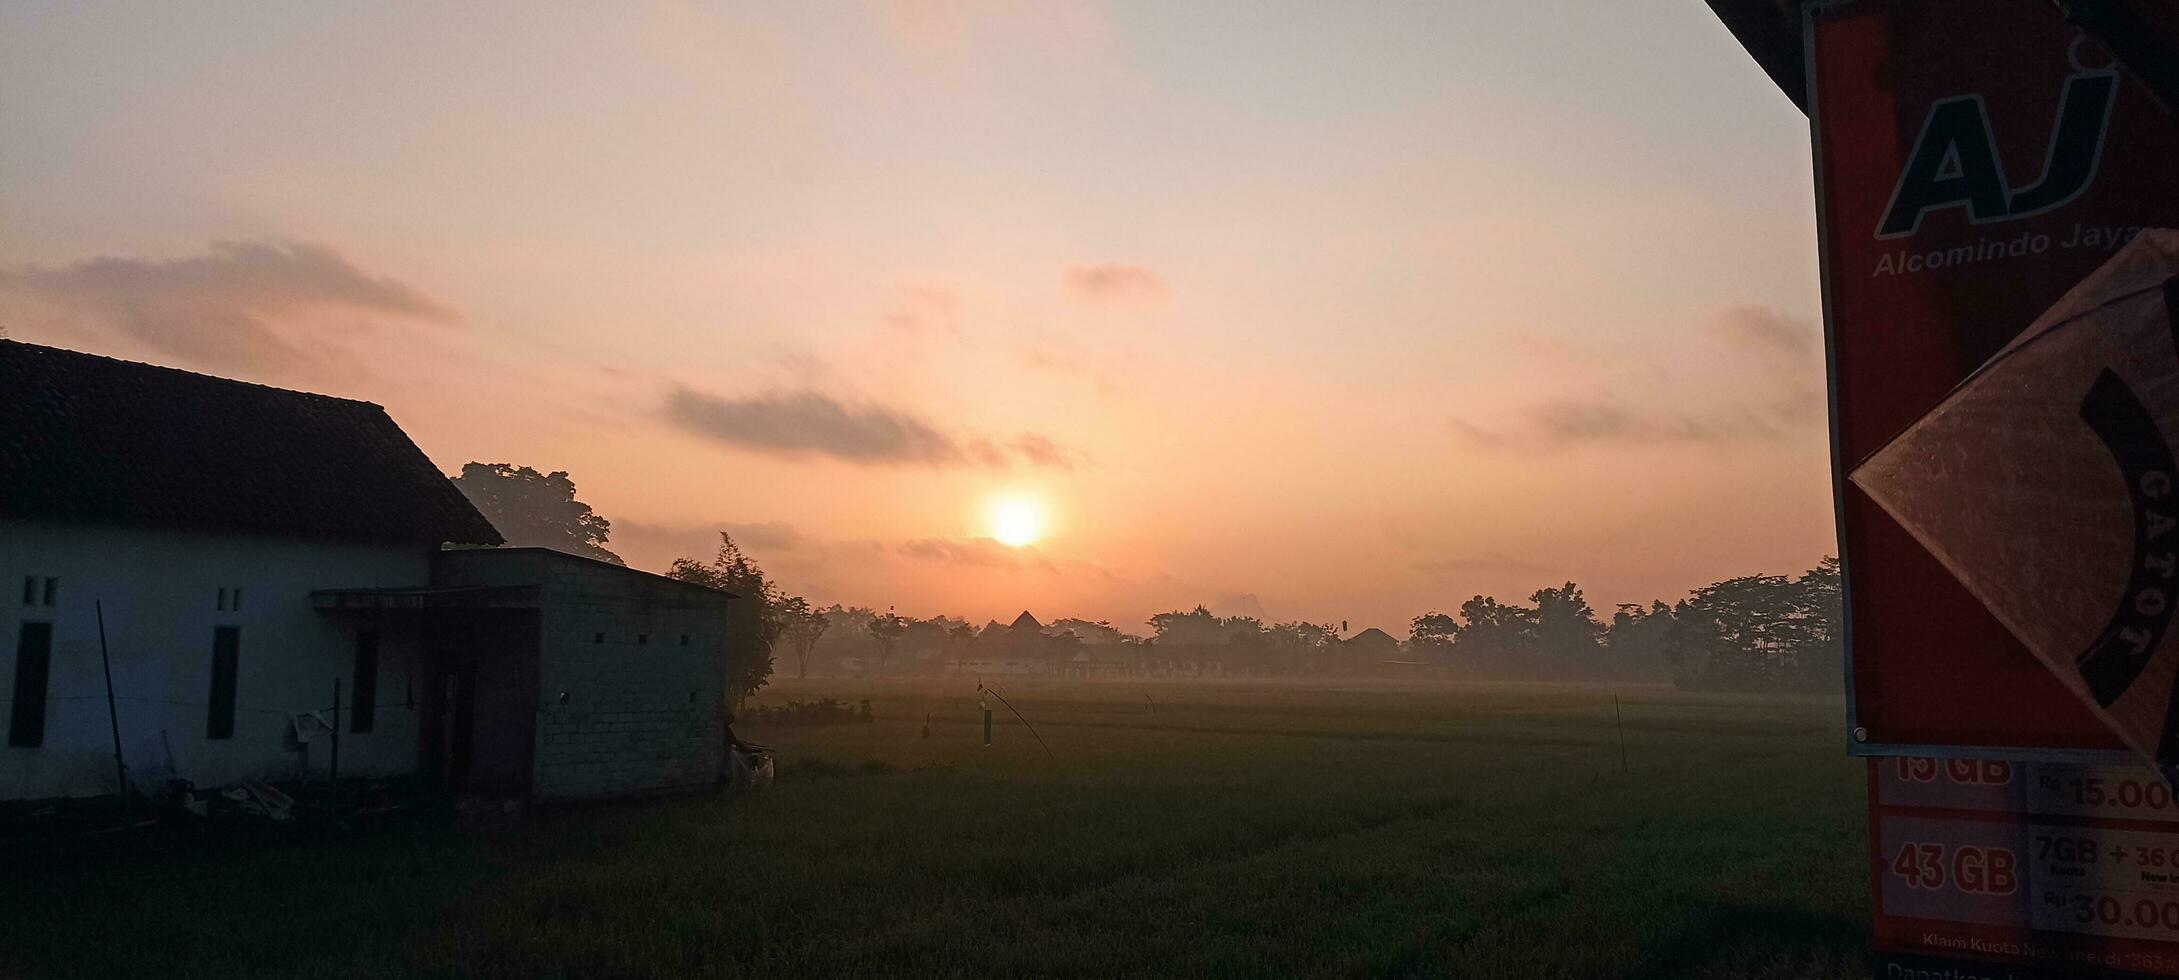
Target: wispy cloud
(236,306)
(1113,281)
(975,552)
(1574,422)
(1772,333)
(986,553)
(1065,362)
(807,423)
(925,310)
(765,538)
(1042,451)
(1569,423)
(1762,381)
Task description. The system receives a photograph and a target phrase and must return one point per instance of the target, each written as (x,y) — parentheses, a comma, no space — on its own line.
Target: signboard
(1976,160)
(2047,486)
(1991,868)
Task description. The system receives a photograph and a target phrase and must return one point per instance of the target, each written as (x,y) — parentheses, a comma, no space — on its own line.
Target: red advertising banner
(1976,161)
(2023,869)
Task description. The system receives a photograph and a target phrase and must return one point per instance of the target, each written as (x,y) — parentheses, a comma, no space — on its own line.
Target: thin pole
(1024,722)
(334,775)
(113,714)
(1621,719)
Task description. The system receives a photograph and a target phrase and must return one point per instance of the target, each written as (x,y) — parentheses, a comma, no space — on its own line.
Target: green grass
(1235,831)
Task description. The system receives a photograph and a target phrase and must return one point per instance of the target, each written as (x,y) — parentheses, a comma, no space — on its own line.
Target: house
(1375,653)
(233,551)
(1017,648)
(1371,644)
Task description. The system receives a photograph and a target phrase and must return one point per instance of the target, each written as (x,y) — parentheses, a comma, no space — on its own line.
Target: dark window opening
(684,639)
(363,703)
(30,590)
(600,638)
(226,651)
(33,666)
(643,639)
(52,591)
(221,604)
(234,602)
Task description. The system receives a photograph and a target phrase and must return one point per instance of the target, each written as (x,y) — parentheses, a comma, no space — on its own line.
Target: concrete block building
(560,677)
(232,550)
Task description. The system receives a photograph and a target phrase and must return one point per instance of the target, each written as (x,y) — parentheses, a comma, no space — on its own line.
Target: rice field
(1190,829)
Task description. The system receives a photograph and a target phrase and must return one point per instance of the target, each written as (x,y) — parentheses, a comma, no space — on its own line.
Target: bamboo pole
(113,714)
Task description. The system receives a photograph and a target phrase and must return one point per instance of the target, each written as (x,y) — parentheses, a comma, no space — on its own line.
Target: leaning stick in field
(1024,721)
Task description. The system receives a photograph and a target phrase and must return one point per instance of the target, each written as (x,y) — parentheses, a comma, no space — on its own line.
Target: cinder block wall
(626,705)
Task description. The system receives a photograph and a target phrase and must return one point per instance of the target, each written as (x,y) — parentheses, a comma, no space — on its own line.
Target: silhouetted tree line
(1755,632)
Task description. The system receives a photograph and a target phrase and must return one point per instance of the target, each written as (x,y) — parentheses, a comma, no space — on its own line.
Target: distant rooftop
(91,438)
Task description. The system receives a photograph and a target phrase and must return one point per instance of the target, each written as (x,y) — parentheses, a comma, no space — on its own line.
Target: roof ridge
(48,348)
(86,437)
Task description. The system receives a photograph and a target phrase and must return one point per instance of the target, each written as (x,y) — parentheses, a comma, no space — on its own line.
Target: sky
(1316,311)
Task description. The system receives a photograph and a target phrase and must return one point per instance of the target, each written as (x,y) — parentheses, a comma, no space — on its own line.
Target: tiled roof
(92,438)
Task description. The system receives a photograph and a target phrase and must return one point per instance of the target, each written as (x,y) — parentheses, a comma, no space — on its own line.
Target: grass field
(1176,829)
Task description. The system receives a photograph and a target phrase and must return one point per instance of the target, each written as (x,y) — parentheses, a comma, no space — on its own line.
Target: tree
(1296,646)
(753,618)
(536,510)
(1099,633)
(1433,635)
(1761,632)
(847,635)
(959,640)
(803,627)
(1200,626)
(887,630)
(1566,628)
(1496,635)
(1637,637)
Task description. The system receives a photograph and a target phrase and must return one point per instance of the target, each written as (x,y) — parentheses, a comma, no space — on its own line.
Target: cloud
(1568,423)
(804,423)
(975,553)
(236,306)
(1066,363)
(1112,281)
(1573,422)
(1770,333)
(1042,451)
(766,538)
(925,310)
(986,553)
(1751,374)
(1789,352)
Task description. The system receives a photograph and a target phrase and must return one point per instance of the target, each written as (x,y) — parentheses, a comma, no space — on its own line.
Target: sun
(1017,521)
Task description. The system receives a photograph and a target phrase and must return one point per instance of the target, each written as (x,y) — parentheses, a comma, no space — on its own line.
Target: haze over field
(1097,310)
